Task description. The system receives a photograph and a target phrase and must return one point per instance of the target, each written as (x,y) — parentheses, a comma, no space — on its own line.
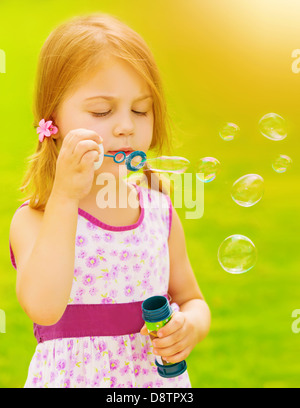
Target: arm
(191,324)
(44,248)
(183,286)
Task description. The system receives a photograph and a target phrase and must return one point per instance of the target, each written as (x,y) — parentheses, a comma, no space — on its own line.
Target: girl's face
(116,103)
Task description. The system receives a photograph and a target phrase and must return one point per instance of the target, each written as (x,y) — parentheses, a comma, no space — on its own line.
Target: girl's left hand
(176,339)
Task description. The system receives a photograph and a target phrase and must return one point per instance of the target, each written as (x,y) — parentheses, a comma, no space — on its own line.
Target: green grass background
(220,61)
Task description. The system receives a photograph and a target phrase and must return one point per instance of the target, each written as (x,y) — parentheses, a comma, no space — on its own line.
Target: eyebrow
(112,97)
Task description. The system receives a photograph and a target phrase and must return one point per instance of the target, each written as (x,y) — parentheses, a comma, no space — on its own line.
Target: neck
(108,190)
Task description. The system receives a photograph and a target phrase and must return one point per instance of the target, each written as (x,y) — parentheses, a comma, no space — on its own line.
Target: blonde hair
(71,50)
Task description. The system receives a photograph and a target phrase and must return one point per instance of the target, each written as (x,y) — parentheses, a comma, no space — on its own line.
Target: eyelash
(101,114)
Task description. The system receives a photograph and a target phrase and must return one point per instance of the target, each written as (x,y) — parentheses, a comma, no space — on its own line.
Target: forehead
(114,78)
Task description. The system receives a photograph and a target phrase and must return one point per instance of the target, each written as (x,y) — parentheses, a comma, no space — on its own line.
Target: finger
(176,358)
(174,348)
(172,326)
(144,330)
(89,158)
(75,135)
(83,147)
(167,341)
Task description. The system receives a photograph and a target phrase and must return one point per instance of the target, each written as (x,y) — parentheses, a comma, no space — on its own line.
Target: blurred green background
(221,61)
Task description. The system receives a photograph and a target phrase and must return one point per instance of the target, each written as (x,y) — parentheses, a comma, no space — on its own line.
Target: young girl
(83,268)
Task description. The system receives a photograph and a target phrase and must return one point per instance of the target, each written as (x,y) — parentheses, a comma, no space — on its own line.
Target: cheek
(90,124)
(148,136)
(103,128)
(70,123)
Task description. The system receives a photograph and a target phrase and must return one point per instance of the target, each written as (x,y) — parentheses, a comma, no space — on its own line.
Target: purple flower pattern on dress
(81,241)
(129,290)
(125,255)
(88,280)
(92,262)
(108,237)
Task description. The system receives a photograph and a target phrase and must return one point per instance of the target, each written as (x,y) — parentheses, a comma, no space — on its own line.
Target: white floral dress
(112,265)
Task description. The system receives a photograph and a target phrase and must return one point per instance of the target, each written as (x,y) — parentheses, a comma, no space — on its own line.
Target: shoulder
(24,215)
(24,227)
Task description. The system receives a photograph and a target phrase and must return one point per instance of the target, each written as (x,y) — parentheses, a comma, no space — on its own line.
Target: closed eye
(140,113)
(101,114)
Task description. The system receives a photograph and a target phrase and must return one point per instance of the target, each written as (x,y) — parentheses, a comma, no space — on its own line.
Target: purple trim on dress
(89,320)
(101,224)
(170,213)
(12,257)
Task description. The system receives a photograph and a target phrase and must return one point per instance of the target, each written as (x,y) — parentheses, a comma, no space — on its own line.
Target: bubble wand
(181,162)
(128,159)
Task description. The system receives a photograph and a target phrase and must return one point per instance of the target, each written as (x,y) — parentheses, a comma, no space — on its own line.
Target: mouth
(126,151)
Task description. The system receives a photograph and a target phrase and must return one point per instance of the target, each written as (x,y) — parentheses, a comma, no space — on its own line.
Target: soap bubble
(207,169)
(282,163)
(237,254)
(273,126)
(168,164)
(229,131)
(248,190)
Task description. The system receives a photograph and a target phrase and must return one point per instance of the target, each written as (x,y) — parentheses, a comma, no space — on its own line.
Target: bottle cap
(155,309)
(172,370)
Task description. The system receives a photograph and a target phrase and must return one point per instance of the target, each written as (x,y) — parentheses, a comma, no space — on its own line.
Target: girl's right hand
(75,164)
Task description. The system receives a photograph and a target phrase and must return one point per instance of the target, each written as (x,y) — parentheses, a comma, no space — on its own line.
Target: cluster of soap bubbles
(237,253)
(274,127)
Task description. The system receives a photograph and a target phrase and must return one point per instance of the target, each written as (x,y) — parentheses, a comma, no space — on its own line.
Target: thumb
(144,330)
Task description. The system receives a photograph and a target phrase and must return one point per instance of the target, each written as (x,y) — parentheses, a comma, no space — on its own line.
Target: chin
(118,171)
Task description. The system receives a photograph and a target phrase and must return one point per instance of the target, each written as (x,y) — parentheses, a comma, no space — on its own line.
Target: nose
(124,125)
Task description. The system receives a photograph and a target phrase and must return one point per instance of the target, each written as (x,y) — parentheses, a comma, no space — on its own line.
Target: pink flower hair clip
(46,129)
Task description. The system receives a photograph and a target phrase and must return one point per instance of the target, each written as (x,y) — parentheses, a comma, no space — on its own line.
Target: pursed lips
(126,151)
